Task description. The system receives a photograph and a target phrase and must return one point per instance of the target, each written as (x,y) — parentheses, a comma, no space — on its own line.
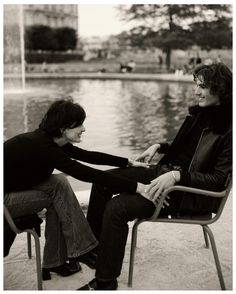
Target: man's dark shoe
(89,259)
(100,285)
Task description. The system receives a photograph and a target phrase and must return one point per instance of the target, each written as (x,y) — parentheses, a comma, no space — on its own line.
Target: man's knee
(115,209)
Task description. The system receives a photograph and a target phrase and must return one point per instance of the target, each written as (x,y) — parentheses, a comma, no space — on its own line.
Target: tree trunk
(168,58)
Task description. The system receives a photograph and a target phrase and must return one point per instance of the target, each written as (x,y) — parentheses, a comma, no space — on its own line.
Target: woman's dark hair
(218,78)
(61,115)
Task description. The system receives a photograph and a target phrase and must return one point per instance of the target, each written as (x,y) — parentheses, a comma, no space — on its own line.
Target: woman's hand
(148,155)
(135,163)
(160,184)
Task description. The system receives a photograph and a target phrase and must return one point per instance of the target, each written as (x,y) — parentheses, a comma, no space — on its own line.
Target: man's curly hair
(218,78)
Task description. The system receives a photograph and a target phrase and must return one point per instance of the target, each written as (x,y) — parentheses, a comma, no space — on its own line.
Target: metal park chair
(29,232)
(202,220)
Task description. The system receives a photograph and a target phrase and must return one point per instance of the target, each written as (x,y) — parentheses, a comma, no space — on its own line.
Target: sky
(99,20)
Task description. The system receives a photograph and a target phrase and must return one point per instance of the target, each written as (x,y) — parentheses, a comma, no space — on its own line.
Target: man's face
(205,98)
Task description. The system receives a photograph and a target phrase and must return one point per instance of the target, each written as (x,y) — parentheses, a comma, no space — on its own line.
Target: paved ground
(168,257)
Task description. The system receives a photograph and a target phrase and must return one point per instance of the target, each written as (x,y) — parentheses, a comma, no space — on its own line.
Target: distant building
(100,47)
(52,15)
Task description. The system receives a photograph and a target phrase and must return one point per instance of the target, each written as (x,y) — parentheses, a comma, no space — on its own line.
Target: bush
(51,57)
(41,37)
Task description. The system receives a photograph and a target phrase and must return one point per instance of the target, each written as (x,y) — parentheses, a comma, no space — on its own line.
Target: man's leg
(100,195)
(119,211)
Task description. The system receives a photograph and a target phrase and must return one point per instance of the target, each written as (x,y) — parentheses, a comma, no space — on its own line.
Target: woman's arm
(94,157)
(148,154)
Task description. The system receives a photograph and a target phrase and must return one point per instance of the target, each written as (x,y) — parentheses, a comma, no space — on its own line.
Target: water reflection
(150,112)
(122,116)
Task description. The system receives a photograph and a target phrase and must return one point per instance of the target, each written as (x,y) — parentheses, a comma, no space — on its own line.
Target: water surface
(123,117)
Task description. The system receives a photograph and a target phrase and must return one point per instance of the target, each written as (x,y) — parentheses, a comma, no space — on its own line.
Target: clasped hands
(144,159)
(154,190)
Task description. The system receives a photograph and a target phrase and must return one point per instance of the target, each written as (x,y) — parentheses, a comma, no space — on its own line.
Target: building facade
(52,15)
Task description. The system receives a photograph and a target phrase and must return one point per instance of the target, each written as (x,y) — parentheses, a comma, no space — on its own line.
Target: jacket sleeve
(214,179)
(94,157)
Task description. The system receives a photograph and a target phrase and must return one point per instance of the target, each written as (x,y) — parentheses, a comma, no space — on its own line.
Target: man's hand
(148,155)
(142,190)
(160,184)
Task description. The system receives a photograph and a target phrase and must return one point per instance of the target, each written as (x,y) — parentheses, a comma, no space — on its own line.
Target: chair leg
(216,257)
(132,253)
(38,259)
(205,237)
(29,245)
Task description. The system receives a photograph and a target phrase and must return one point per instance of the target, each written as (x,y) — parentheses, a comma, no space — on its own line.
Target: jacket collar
(219,117)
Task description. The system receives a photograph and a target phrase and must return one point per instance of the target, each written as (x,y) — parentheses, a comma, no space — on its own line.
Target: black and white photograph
(117,157)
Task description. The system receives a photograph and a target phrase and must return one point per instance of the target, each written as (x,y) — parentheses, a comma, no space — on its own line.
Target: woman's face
(73,135)
(205,98)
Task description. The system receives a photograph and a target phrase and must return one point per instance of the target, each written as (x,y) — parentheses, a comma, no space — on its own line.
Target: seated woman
(200,156)
(30,186)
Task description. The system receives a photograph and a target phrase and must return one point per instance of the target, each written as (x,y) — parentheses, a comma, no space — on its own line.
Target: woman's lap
(33,200)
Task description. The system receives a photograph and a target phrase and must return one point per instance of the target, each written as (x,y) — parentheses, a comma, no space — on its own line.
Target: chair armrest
(195,191)
(206,193)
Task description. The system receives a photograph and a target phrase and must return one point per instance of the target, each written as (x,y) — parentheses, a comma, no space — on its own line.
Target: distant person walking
(198,60)
(160,61)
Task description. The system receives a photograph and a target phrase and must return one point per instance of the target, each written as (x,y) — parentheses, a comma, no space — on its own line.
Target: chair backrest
(228,187)
(223,195)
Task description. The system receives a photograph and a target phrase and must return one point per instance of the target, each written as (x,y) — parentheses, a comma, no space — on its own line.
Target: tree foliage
(207,38)
(66,38)
(40,37)
(178,26)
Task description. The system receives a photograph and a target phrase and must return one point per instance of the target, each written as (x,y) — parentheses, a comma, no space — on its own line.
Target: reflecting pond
(123,117)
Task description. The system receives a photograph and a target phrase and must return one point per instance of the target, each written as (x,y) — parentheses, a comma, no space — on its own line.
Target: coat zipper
(197,148)
(181,204)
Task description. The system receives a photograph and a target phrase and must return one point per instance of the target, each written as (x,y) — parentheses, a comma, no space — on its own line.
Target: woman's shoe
(62,270)
(74,266)
(100,285)
(88,258)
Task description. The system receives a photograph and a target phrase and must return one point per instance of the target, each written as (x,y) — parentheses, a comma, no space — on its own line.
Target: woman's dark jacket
(30,158)
(212,159)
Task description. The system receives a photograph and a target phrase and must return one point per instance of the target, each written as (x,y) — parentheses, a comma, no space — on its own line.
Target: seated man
(200,156)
